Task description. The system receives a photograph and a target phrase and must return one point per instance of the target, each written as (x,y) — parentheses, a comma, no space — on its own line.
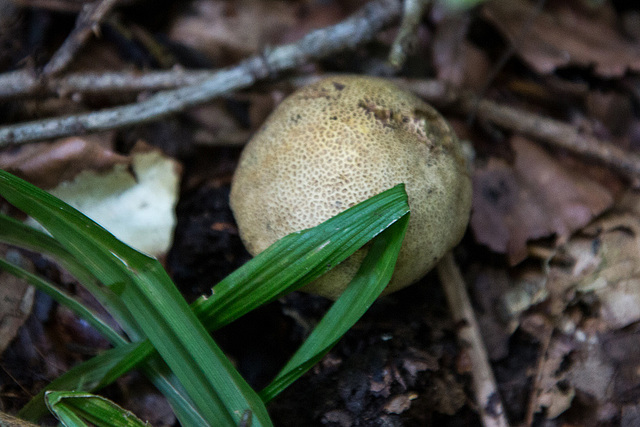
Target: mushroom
(337,142)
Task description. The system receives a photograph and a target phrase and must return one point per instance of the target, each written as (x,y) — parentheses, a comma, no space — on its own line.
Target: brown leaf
(16,301)
(607,263)
(48,164)
(548,394)
(457,61)
(229,31)
(563,37)
(536,197)
(399,404)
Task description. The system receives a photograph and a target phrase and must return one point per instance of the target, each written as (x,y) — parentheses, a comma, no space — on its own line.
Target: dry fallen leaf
(549,394)
(536,197)
(47,164)
(563,37)
(457,61)
(137,205)
(228,31)
(400,403)
(16,301)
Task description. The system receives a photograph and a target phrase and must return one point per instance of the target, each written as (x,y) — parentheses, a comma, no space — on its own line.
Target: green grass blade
(370,217)
(86,375)
(299,258)
(168,384)
(119,266)
(212,382)
(370,280)
(63,298)
(73,408)
(190,352)
(106,368)
(18,234)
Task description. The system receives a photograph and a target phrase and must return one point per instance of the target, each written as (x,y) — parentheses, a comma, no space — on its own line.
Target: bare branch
(355,30)
(484,383)
(87,23)
(403,44)
(549,131)
(557,134)
(25,83)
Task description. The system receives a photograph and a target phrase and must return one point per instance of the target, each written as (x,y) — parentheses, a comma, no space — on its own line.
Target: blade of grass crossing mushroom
(370,280)
(345,233)
(212,382)
(321,248)
(299,258)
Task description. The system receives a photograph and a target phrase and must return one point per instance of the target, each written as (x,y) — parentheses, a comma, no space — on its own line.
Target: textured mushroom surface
(337,142)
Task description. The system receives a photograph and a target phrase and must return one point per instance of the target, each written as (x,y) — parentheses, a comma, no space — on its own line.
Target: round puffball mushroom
(335,143)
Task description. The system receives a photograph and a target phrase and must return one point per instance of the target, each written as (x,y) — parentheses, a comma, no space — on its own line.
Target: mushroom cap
(337,142)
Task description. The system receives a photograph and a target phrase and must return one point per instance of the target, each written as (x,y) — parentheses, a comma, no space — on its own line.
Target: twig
(361,27)
(532,407)
(549,131)
(87,23)
(25,83)
(484,383)
(557,134)
(19,83)
(403,44)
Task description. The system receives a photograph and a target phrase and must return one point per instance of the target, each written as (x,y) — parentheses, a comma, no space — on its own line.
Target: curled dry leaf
(400,403)
(535,197)
(607,263)
(563,37)
(48,164)
(595,355)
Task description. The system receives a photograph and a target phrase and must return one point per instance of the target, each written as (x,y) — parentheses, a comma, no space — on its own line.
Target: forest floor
(546,93)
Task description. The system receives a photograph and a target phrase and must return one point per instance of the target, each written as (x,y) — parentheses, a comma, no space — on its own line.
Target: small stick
(403,44)
(87,23)
(361,27)
(549,131)
(25,83)
(557,134)
(484,383)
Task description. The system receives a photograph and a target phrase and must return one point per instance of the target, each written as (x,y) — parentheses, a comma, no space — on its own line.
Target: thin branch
(405,40)
(87,23)
(19,83)
(355,30)
(549,131)
(557,134)
(24,83)
(484,383)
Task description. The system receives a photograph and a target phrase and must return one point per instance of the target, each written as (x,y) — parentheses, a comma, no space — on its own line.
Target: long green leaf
(77,409)
(299,258)
(65,299)
(314,245)
(370,280)
(18,234)
(148,293)
(294,261)
(87,375)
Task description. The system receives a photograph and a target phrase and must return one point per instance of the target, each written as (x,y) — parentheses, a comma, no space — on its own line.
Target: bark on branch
(318,44)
